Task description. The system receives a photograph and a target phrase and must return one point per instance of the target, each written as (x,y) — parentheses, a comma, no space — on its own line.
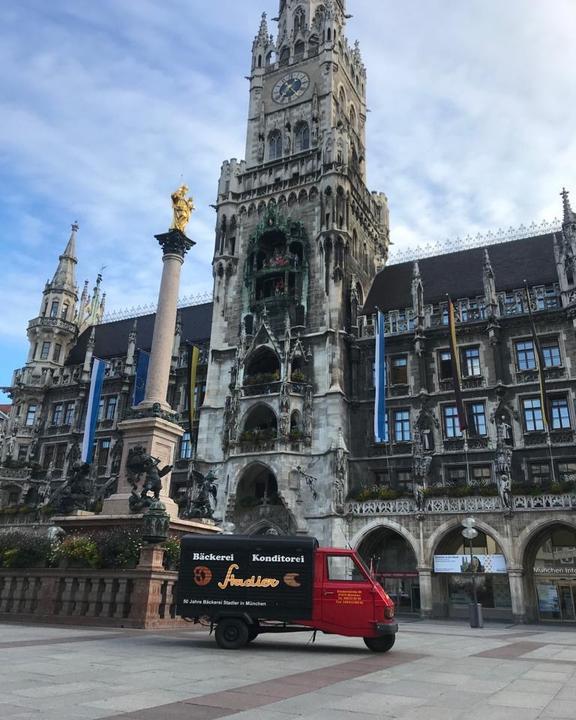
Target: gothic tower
(298,240)
(54,331)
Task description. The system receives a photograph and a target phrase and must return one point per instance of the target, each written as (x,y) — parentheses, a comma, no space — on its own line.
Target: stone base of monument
(158,437)
(133,521)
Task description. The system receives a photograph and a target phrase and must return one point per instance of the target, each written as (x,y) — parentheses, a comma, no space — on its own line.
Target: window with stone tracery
(302,137)
(275,145)
(299,20)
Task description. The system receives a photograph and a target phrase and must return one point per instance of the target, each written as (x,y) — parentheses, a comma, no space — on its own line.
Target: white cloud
(107,105)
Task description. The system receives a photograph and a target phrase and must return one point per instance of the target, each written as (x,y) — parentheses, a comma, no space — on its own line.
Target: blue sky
(105,106)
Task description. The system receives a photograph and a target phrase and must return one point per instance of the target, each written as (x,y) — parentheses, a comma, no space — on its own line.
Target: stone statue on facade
(76,493)
(182,208)
(203,499)
(139,464)
(503,464)
(340,473)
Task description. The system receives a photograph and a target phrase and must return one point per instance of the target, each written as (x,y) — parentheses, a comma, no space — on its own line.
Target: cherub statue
(183,208)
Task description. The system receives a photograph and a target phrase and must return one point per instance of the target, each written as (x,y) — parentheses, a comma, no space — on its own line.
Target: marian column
(151,427)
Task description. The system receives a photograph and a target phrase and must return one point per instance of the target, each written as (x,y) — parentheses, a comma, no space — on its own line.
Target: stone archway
(549,564)
(393,562)
(259,505)
(465,569)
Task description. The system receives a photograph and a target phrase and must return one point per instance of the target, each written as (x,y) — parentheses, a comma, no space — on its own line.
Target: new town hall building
(286,380)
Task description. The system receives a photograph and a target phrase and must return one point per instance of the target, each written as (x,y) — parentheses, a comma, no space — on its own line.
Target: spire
(263,34)
(569,215)
(65,275)
(417,295)
(489,281)
(132,336)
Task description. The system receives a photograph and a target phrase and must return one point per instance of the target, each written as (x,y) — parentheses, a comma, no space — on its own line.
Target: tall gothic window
(275,145)
(299,20)
(299,49)
(302,137)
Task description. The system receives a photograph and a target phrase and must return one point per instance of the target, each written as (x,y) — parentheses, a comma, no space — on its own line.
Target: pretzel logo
(202,575)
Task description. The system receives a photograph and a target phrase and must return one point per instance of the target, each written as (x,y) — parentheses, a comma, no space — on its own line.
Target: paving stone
(560,709)
(519,699)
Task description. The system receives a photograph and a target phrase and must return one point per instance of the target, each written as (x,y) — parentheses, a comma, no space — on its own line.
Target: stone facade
(287,366)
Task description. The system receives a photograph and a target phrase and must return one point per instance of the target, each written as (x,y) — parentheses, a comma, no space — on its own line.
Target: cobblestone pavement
(436,671)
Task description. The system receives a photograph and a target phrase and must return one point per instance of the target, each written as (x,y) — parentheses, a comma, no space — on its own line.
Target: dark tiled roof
(460,273)
(5,409)
(112,338)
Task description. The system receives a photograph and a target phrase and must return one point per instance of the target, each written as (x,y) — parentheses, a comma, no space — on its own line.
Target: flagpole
(456,380)
(542,381)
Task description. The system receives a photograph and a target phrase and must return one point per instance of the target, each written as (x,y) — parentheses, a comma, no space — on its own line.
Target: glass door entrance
(405,591)
(556,600)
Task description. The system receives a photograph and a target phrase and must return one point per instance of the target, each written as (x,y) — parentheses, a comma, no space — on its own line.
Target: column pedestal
(158,437)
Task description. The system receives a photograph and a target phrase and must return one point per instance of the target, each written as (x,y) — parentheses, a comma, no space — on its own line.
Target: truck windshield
(345,568)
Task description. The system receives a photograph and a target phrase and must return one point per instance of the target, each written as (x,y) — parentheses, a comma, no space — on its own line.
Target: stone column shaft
(426,597)
(163,338)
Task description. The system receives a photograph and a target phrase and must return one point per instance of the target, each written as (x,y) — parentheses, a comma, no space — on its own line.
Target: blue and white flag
(141,376)
(96,382)
(380,382)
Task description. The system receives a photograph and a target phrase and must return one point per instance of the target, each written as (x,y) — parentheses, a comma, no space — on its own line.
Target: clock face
(290,87)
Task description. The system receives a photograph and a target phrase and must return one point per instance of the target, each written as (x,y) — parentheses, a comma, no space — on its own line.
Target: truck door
(348,596)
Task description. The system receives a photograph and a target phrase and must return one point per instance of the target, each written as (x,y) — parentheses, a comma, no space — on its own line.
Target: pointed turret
(417,296)
(489,282)
(65,275)
(54,331)
(569,216)
(262,47)
(131,351)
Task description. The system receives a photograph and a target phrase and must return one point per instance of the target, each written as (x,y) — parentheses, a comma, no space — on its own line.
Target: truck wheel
(232,634)
(380,644)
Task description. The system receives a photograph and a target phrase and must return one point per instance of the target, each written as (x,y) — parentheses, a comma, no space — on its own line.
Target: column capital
(174,242)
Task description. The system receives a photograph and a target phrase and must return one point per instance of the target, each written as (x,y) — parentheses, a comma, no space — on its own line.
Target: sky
(107,106)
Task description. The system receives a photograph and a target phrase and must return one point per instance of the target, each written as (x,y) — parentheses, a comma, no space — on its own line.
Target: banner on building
(457,564)
(141,376)
(541,365)
(380,381)
(96,382)
(456,374)
(193,359)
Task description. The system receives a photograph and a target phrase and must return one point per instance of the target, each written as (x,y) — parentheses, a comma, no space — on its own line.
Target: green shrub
(19,549)
(118,548)
(79,550)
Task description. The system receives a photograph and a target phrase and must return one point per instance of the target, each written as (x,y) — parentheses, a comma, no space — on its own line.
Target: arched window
(299,21)
(302,134)
(299,50)
(313,45)
(353,118)
(284,58)
(342,99)
(275,145)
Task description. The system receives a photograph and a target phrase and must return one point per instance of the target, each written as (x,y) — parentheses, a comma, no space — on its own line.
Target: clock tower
(299,238)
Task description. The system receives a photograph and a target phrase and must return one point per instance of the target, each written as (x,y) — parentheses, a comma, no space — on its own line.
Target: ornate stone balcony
(465,505)
(53,322)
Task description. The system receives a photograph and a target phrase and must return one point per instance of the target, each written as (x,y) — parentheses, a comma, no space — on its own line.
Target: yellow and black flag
(456,375)
(541,364)
(193,358)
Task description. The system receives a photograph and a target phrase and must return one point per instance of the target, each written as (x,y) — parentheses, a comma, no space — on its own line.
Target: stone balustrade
(139,598)
(473,504)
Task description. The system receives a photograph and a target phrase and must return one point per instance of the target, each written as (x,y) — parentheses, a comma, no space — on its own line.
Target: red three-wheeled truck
(247,586)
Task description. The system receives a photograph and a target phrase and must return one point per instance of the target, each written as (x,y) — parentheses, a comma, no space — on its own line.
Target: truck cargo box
(265,577)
